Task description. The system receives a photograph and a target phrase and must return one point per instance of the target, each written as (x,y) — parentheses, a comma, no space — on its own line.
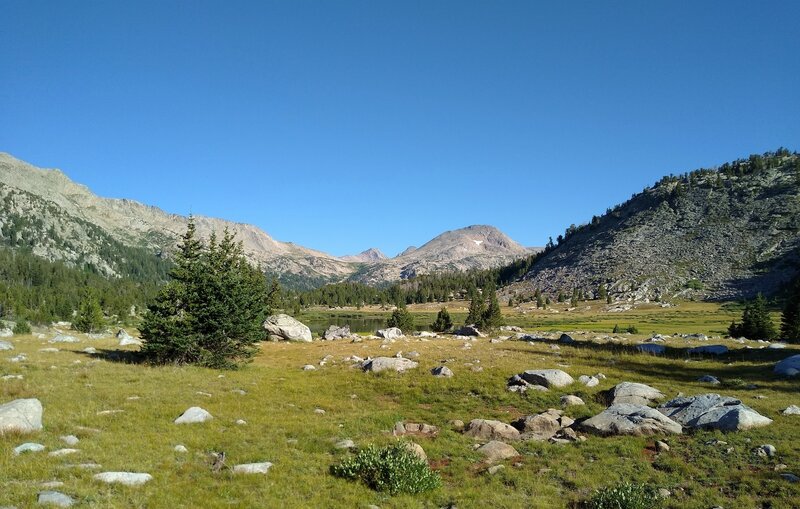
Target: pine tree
(602,293)
(90,315)
(492,317)
(443,321)
(211,311)
(402,319)
(790,319)
(756,322)
(477,307)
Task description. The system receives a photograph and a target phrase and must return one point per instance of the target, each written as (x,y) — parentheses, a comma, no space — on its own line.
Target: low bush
(394,469)
(625,496)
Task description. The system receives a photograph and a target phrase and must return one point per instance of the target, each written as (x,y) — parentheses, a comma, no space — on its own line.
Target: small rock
(457,425)
(319,411)
(193,415)
(252,468)
(792,410)
(180,448)
(494,469)
(55,498)
(708,379)
(442,372)
(662,446)
(345,444)
(484,429)
(69,439)
(5,346)
(417,450)
(28,447)
(309,367)
(241,422)
(766,451)
(571,400)
(664,493)
(497,451)
(790,477)
(125,478)
(63,452)
(588,381)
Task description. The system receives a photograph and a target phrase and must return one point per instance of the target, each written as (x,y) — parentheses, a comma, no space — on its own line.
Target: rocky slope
(720,234)
(60,220)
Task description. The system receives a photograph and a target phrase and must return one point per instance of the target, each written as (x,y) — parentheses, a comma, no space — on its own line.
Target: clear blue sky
(345,125)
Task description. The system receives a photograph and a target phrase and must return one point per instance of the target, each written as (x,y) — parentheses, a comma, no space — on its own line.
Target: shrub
(90,315)
(632,329)
(625,496)
(443,321)
(394,469)
(22,327)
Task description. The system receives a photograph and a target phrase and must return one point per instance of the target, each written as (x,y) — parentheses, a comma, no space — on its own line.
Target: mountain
(721,234)
(370,255)
(57,219)
(478,246)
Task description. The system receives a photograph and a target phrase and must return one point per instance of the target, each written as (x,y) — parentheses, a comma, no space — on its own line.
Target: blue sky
(345,125)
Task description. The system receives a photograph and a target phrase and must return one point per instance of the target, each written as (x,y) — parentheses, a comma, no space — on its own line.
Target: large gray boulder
(194,415)
(633,393)
(285,327)
(379,364)
(484,429)
(713,411)
(389,333)
(5,346)
(545,377)
(628,419)
(789,366)
(5,332)
(497,451)
(21,416)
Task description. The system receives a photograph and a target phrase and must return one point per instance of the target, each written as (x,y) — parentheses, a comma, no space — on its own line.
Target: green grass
(283,428)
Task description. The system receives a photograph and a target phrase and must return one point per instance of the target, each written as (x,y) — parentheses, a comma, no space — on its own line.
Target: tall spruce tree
(477,308)
(756,322)
(492,317)
(443,321)
(90,315)
(211,311)
(790,319)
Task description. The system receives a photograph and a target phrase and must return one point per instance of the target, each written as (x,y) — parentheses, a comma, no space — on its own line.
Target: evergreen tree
(402,319)
(90,315)
(211,311)
(602,293)
(492,317)
(756,322)
(539,302)
(443,321)
(790,319)
(477,308)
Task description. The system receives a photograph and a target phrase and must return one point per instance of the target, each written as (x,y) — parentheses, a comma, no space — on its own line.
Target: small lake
(358,323)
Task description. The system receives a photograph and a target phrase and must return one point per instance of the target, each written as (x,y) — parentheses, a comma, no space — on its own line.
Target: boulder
(389,333)
(416,450)
(21,416)
(5,332)
(285,327)
(710,350)
(588,381)
(571,400)
(545,378)
(335,332)
(566,339)
(497,451)
(252,468)
(538,427)
(28,447)
(709,379)
(5,346)
(651,348)
(789,366)
(442,372)
(64,338)
(632,393)
(379,364)
(713,411)
(125,478)
(483,429)
(630,419)
(791,410)
(469,330)
(194,415)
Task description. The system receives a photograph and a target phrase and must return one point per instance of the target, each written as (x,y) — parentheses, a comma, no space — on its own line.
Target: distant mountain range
(722,233)
(43,210)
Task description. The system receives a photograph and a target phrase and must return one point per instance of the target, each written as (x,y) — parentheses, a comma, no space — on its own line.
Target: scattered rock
(28,447)
(792,410)
(69,439)
(21,416)
(379,364)
(713,411)
(126,339)
(538,427)
(662,446)
(319,411)
(402,428)
(566,339)
(417,450)
(483,429)
(457,425)
(64,338)
(631,419)
(90,350)
(5,346)
(55,498)
(542,377)
(632,393)
(309,367)
(345,444)
(194,415)
(285,327)
(125,478)
(389,333)
(588,381)
(335,332)
(5,332)
(790,477)
(789,366)
(497,451)
(180,448)
(494,469)
(469,330)
(709,379)
(571,400)
(63,452)
(442,372)
(252,468)
(766,451)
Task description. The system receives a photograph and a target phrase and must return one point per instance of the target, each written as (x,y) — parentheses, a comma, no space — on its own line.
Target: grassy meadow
(281,405)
